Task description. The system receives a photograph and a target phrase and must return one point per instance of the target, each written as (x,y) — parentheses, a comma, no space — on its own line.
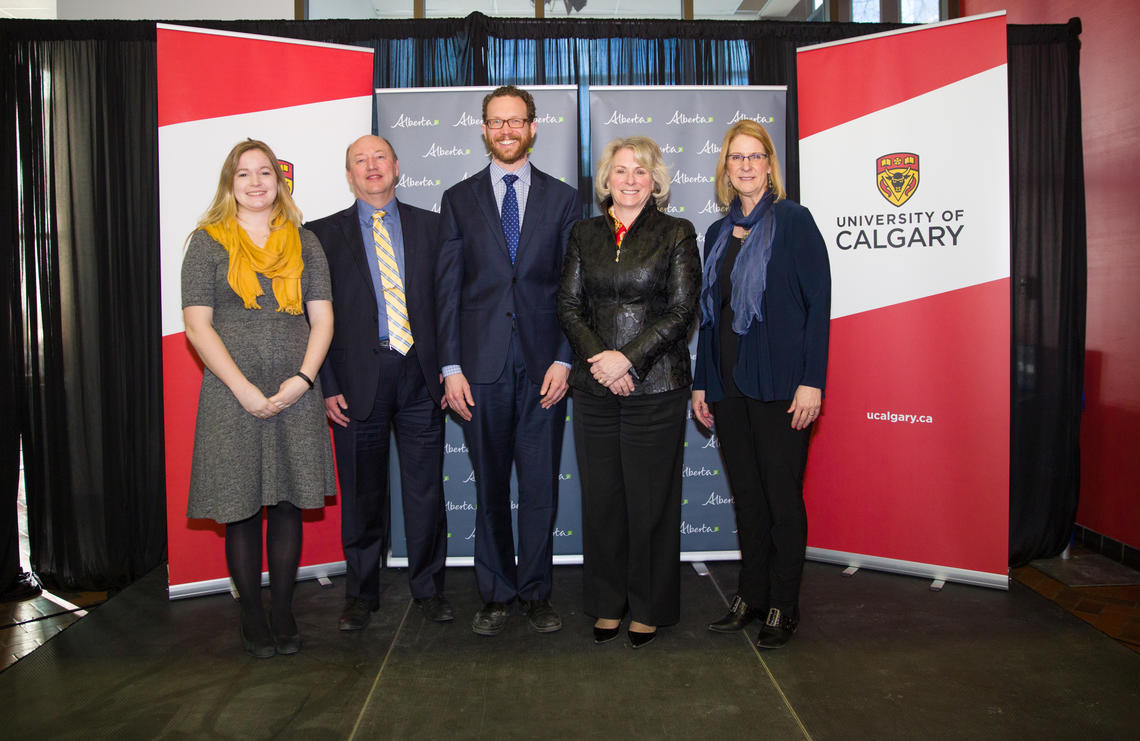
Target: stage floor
(876,656)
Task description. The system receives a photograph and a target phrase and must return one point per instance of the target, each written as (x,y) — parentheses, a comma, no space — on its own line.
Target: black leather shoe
(256,638)
(739,615)
(638,639)
(436,608)
(491,619)
(605,635)
(542,616)
(23,587)
(777,631)
(356,614)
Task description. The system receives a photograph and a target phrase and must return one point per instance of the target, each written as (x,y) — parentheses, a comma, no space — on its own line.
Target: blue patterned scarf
(750,271)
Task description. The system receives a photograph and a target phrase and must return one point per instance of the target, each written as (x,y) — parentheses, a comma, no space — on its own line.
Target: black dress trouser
(765,459)
(629,459)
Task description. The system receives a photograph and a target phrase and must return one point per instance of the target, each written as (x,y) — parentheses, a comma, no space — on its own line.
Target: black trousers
(764,459)
(629,460)
(402,406)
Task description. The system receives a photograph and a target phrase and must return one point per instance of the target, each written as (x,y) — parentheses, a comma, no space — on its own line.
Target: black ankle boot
(739,615)
(777,631)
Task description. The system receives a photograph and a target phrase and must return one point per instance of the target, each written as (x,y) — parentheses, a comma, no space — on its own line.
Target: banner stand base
(938,575)
(935,573)
(321,572)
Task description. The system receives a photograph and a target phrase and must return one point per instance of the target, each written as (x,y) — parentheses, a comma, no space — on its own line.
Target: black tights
(243,556)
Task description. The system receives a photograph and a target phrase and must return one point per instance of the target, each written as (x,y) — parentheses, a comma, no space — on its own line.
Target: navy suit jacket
(352,366)
(480,293)
(788,348)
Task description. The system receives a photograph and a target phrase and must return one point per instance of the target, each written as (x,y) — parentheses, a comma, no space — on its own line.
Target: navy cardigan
(789,347)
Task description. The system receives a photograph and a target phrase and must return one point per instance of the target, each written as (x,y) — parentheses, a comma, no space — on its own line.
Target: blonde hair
(647,154)
(224,206)
(745,127)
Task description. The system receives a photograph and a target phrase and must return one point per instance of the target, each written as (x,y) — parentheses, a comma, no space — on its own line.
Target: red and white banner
(905,166)
(307,101)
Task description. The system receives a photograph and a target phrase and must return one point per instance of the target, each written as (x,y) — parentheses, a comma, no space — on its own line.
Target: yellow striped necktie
(395,303)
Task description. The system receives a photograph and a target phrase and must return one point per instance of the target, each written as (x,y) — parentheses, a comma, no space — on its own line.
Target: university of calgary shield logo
(287,171)
(897,176)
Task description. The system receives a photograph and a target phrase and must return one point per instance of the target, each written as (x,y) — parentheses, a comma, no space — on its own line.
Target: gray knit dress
(242,463)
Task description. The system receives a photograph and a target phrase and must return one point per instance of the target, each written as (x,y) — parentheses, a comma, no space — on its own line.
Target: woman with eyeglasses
(760,372)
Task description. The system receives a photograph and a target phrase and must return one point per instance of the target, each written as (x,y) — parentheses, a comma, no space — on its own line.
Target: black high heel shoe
(638,639)
(605,635)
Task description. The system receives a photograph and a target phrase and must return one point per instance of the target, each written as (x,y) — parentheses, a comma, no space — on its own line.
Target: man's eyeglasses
(514,123)
(755,158)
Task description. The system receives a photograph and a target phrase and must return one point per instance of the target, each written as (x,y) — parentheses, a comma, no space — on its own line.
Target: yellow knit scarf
(280,259)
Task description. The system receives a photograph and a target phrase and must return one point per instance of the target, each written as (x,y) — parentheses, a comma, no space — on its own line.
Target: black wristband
(304,378)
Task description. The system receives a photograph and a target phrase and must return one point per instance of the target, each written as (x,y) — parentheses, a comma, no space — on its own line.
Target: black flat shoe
(739,615)
(286,645)
(637,639)
(605,635)
(259,647)
(777,631)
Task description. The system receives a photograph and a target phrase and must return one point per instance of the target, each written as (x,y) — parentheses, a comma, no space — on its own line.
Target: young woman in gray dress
(249,277)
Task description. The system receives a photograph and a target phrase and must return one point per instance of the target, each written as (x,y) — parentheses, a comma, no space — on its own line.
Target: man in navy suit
(503,356)
(382,374)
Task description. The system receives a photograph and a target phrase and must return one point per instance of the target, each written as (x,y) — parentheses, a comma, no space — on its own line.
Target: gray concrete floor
(877,656)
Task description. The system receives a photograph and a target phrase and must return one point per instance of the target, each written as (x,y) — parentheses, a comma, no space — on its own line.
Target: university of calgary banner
(307,101)
(904,164)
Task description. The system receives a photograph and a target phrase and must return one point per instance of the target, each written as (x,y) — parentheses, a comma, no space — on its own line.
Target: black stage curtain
(81,225)
(1047,218)
(80,237)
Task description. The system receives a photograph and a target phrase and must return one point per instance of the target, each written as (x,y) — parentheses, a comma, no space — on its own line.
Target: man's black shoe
(356,614)
(436,608)
(542,616)
(491,619)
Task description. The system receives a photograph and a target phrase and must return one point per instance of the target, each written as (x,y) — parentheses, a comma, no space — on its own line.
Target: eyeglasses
(754,158)
(514,123)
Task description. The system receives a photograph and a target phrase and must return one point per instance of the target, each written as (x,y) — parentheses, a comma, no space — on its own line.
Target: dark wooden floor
(877,656)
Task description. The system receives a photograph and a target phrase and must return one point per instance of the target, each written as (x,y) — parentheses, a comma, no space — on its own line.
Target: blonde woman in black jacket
(627,301)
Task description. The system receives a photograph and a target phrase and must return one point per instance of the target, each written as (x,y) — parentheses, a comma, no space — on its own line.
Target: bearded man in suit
(503,356)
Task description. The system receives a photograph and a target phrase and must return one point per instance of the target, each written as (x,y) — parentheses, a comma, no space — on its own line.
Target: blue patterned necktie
(510,216)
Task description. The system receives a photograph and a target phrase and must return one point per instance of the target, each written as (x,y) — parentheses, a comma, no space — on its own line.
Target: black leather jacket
(643,304)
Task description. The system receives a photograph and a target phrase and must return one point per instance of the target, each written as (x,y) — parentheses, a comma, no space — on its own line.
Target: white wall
(221,10)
